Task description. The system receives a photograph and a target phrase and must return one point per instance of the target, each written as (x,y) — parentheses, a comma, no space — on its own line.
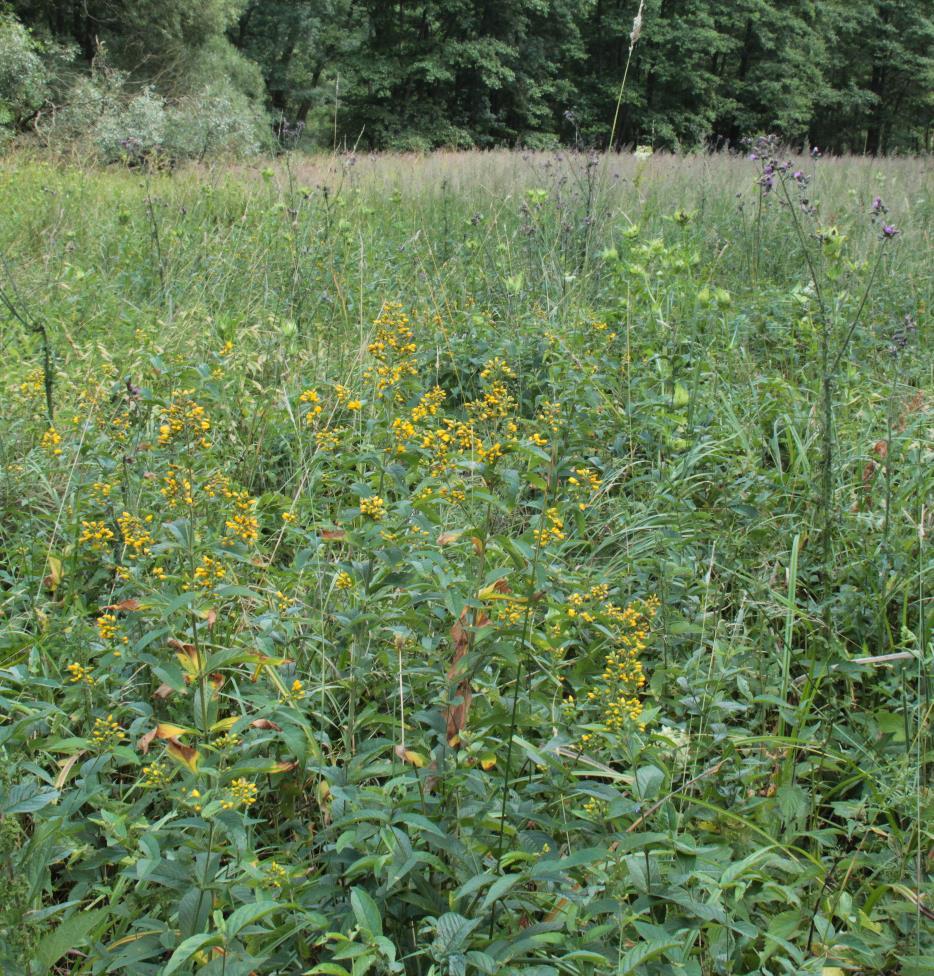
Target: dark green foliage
(848,75)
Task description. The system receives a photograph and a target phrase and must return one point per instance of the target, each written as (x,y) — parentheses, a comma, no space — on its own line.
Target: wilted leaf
(265,723)
(54,578)
(333,535)
(184,754)
(323,795)
(456,714)
(187,655)
(407,755)
(163,691)
(145,741)
(283,767)
(446,538)
(66,769)
(125,606)
(164,730)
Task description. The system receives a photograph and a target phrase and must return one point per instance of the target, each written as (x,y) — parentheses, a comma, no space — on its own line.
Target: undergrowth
(523,575)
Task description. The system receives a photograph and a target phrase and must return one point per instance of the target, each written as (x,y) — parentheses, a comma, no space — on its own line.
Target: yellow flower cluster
(550,415)
(617,691)
(218,484)
(102,489)
(404,428)
(328,438)
(106,732)
(50,442)
(108,629)
(120,426)
(33,384)
(78,674)
(242,792)
(296,691)
(496,403)
(585,477)
(374,507)
(243,527)
(553,530)
(136,537)
(315,408)
(176,488)
(497,368)
(393,347)
(343,581)
(96,535)
(155,775)
(210,572)
(184,419)
(276,874)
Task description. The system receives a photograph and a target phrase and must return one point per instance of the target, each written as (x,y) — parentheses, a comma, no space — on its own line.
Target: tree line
(846,75)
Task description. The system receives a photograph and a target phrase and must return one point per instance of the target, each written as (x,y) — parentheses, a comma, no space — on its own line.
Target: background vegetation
(480,563)
(190,79)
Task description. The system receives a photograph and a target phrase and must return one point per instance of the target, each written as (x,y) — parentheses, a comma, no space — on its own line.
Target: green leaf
(246,914)
(451,931)
(26,798)
(188,948)
(498,889)
(641,954)
(649,780)
(366,912)
(69,935)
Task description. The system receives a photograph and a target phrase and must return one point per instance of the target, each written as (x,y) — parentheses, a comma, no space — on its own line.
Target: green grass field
(481,563)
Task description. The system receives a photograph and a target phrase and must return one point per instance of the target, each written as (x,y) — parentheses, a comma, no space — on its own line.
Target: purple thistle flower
(889,231)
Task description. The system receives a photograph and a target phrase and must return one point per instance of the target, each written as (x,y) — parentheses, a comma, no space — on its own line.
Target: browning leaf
(264,723)
(456,714)
(407,755)
(186,755)
(126,606)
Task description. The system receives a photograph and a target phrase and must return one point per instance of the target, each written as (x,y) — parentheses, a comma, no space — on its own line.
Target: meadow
(474,563)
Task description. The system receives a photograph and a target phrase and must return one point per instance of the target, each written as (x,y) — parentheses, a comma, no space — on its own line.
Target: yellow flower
(96,535)
(50,441)
(106,732)
(242,791)
(374,506)
(78,674)
(343,581)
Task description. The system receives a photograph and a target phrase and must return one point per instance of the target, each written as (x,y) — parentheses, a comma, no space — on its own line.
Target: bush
(23,78)
(133,130)
(218,119)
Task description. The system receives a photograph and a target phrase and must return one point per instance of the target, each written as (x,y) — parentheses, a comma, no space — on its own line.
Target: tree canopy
(847,75)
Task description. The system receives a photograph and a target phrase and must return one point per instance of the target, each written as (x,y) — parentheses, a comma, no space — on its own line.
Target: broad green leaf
(69,935)
(366,911)
(188,948)
(247,914)
(639,955)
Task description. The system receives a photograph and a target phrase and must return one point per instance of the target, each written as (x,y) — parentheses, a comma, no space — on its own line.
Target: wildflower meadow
(477,563)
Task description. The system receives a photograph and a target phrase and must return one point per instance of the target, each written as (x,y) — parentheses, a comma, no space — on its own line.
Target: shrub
(23,78)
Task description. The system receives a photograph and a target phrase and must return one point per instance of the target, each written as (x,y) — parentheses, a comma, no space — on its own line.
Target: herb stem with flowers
(402,590)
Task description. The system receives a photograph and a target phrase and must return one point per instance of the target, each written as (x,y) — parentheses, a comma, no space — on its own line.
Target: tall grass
(770,818)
